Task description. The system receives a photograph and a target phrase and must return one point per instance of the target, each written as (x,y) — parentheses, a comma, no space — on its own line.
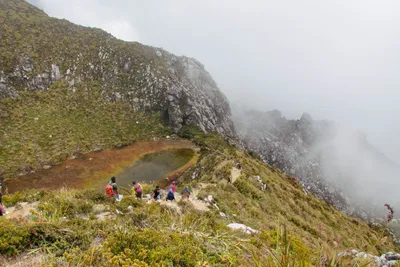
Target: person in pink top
(173,187)
(137,188)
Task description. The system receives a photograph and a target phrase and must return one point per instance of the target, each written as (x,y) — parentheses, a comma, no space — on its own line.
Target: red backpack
(109,190)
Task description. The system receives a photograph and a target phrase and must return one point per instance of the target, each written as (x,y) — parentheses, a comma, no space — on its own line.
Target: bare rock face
(334,165)
(148,78)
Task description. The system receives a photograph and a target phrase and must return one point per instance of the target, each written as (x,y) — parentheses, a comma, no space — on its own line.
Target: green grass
(295,229)
(46,128)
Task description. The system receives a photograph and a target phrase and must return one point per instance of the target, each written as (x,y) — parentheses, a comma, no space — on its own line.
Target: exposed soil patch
(94,168)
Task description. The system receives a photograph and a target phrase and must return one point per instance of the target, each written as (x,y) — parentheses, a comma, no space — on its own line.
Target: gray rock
(242,227)
(98,208)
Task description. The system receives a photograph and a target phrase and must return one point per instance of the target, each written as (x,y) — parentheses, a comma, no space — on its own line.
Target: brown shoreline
(90,170)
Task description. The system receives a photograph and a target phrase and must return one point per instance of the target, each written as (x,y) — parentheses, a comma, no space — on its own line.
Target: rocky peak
(148,78)
(318,154)
(306,118)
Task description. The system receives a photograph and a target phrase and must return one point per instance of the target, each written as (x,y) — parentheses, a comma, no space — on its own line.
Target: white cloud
(121,29)
(335,59)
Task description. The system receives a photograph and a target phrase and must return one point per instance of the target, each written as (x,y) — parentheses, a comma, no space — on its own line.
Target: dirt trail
(198,204)
(235,174)
(26,260)
(21,210)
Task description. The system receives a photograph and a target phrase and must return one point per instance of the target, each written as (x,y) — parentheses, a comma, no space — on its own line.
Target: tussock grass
(41,129)
(295,229)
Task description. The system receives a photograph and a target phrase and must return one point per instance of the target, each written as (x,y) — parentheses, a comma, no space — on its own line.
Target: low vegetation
(295,229)
(40,129)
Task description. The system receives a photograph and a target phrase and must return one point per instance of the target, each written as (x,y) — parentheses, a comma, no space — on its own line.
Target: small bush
(14,237)
(24,196)
(155,247)
(247,189)
(129,201)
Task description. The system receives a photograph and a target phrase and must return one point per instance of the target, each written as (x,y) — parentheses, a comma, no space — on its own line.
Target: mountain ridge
(150,79)
(88,72)
(67,90)
(329,160)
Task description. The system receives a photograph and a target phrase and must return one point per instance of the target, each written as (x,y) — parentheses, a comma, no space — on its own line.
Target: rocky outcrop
(150,79)
(386,260)
(334,165)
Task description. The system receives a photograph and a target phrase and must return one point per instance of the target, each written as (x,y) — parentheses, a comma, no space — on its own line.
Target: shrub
(14,237)
(129,201)
(155,247)
(247,189)
(24,196)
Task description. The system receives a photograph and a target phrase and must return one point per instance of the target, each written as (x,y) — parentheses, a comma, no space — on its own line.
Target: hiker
(137,189)
(112,188)
(170,195)
(2,210)
(157,193)
(238,166)
(186,193)
(173,187)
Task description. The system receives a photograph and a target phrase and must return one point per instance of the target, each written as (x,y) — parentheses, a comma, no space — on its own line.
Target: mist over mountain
(79,106)
(336,163)
(337,60)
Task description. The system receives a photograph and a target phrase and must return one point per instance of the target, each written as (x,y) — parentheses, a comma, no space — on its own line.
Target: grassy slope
(45,128)
(158,236)
(87,52)
(80,122)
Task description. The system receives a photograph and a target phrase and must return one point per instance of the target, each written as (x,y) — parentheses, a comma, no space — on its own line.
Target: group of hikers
(137,190)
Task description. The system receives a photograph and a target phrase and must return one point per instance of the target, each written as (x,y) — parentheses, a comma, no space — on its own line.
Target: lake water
(155,166)
(141,161)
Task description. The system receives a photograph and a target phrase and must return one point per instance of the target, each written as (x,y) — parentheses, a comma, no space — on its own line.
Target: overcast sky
(337,60)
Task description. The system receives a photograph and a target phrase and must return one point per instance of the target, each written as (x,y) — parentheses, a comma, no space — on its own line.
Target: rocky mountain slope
(262,218)
(66,90)
(36,51)
(52,71)
(338,166)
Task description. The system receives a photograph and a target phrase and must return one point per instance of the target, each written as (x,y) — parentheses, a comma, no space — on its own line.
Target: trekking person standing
(157,193)
(137,189)
(186,193)
(112,188)
(170,195)
(173,187)
(238,166)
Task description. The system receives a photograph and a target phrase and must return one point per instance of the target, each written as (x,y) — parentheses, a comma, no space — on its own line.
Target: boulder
(98,208)
(242,227)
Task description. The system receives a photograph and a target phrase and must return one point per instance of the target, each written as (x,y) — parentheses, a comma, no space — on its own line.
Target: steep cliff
(36,51)
(51,69)
(336,164)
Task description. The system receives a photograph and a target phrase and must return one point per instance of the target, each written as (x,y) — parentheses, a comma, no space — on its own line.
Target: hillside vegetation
(39,129)
(67,89)
(295,229)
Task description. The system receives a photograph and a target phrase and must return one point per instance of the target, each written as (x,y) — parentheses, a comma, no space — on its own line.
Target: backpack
(109,190)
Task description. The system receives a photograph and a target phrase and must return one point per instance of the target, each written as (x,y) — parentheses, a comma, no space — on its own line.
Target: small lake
(142,162)
(155,166)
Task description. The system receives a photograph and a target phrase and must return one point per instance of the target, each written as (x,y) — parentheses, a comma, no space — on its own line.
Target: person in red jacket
(112,188)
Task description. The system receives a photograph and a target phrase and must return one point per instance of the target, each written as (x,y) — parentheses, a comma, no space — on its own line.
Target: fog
(325,156)
(337,60)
